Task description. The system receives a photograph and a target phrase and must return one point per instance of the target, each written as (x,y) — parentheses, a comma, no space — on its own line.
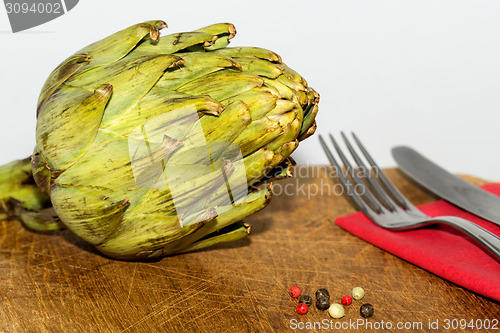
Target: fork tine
(400,198)
(372,200)
(379,190)
(344,180)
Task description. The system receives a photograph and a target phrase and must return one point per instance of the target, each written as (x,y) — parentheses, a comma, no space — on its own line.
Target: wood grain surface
(56,283)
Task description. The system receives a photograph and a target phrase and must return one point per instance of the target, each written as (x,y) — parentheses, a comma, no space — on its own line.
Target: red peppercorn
(346,300)
(302,308)
(294,291)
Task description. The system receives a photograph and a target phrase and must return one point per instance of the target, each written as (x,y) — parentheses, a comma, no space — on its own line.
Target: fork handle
(485,239)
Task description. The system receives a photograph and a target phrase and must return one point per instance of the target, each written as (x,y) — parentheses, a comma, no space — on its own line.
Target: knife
(446,185)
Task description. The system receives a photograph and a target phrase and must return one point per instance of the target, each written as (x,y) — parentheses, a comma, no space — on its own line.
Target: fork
(384,204)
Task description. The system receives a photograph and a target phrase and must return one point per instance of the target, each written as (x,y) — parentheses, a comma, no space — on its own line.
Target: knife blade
(446,185)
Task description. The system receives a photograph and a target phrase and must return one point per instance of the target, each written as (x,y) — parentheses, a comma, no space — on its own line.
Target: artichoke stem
(17,187)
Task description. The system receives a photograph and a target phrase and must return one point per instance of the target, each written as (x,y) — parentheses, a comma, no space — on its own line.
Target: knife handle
(484,238)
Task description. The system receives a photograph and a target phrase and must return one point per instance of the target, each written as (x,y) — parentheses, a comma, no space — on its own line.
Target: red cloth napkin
(441,250)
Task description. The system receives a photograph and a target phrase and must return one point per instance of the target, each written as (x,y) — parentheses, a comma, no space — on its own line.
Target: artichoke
(149,146)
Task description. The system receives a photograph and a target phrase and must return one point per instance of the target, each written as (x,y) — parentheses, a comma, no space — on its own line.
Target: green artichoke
(149,146)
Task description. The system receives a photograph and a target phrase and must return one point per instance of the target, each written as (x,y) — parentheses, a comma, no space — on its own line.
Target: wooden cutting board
(57,283)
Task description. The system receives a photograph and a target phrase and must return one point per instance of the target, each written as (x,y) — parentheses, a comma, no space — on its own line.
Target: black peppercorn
(366,310)
(306,299)
(322,293)
(322,303)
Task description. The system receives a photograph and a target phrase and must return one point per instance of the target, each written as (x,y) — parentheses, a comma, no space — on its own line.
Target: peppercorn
(306,299)
(336,311)
(294,291)
(366,310)
(346,300)
(358,293)
(322,303)
(302,308)
(322,293)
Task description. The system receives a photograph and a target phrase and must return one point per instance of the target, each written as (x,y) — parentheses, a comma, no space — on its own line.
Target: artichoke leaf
(282,107)
(284,91)
(258,164)
(222,84)
(88,213)
(310,131)
(196,65)
(167,109)
(293,75)
(182,192)
(130,78)
(224,32)
(62,73)
(258,66)
(109,156)
(289,133)
(219,29)
(256,52)
(138,235)
(229,125)
(287,148)
(213,232)
(174,43)
(60,133)
(309,119)
(259,100)
(41,172)
(237,231)
(251,204)
(146,174)
(220,43)
(282,170)
(294,85)
(258,134)
(119,44)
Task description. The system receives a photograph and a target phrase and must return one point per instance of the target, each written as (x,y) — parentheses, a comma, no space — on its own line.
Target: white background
(421,73)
